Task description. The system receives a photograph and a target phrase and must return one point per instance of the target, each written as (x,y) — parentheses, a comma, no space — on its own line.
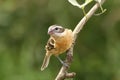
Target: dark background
(23,35)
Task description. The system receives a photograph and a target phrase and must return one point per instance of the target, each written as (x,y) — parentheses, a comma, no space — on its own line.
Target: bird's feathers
(50,44)
(45,62)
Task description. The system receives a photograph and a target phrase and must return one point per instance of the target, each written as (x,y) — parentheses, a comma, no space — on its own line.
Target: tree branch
(63,73)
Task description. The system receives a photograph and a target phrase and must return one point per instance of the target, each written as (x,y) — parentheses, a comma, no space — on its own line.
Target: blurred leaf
(75,3)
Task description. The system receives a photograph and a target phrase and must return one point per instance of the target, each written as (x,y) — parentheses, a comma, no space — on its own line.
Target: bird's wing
(50,44)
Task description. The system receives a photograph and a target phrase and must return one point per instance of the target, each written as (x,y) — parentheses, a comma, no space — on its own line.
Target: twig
(63,73)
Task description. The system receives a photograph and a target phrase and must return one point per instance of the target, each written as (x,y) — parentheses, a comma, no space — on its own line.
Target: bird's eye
(56,28)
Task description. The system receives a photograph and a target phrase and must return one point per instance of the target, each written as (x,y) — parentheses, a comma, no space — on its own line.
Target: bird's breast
(62,44)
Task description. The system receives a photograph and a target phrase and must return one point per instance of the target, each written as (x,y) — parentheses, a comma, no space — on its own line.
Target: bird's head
(56,30)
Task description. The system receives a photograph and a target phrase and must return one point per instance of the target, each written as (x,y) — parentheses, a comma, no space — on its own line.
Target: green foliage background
(23,35)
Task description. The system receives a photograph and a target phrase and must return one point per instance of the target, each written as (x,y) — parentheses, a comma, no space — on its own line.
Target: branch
(63,73)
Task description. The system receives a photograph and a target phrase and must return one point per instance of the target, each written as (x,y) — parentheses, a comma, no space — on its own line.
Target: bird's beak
(50,32)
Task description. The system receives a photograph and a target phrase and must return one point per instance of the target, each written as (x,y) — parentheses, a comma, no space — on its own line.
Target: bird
(59,42)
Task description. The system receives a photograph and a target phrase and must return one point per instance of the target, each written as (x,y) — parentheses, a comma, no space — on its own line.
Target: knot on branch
(66,75)
(70,75)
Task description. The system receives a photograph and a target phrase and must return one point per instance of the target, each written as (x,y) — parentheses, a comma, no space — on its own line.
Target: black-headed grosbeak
(60,40)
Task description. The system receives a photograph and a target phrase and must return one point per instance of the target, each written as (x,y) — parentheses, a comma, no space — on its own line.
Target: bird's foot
(62,62)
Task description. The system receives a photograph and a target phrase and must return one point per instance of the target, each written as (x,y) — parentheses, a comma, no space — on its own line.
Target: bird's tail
(45,61)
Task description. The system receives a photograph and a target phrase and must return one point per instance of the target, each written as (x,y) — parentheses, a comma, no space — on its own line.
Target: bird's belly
(61,47)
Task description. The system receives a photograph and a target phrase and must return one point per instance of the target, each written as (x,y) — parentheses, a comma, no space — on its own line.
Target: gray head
(55,30)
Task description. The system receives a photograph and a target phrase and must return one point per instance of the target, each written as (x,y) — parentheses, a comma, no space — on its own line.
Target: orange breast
(63,43)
